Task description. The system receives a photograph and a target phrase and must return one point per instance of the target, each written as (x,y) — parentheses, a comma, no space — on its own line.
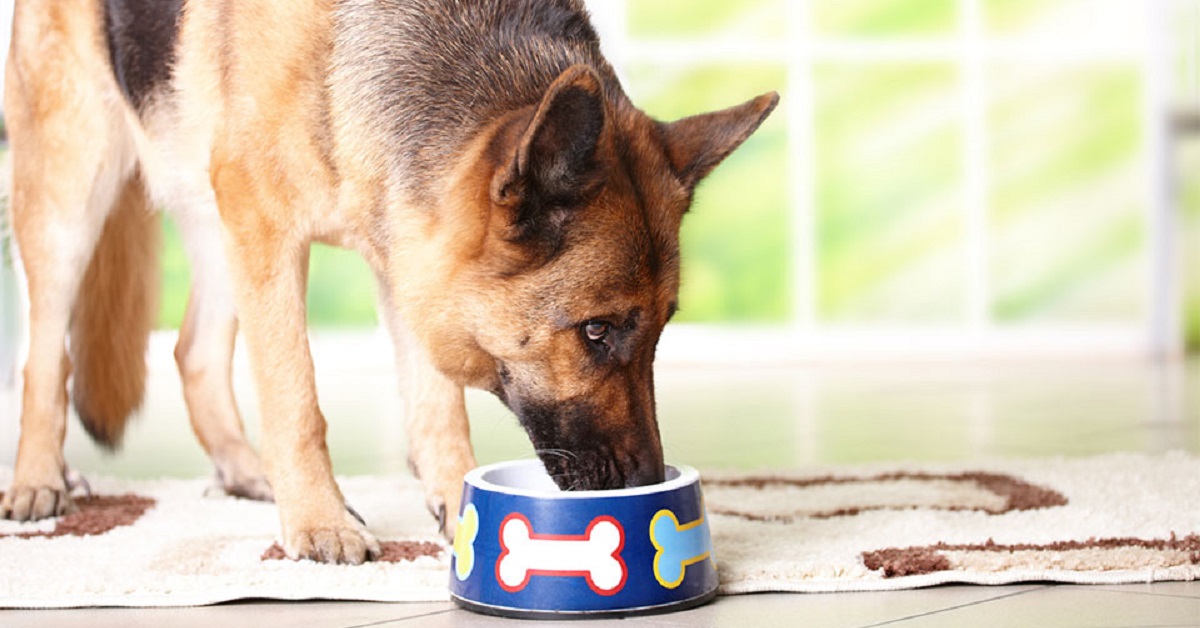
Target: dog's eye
(596,331)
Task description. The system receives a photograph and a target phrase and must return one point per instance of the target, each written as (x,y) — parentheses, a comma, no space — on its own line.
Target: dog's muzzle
(580,454)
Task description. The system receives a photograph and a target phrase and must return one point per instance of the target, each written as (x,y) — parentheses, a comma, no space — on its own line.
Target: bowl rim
(477,479)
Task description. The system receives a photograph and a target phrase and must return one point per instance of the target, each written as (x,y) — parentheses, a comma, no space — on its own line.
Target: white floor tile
(238,615)
(1173,589)
(832,610)
(465,619)
(1068,607)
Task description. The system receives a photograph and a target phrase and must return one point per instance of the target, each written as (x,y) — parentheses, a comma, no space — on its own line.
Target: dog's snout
(583,451)
(644,476)
(643,470)
(599,470)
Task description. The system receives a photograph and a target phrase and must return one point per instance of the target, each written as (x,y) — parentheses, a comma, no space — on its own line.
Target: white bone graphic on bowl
(594,555)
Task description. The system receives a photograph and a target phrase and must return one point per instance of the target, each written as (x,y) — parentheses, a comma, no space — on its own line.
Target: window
(979,175)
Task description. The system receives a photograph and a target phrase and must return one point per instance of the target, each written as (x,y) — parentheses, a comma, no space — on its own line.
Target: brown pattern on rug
(1015,494)
(389,551)
(94,515)
(1114,554)
(194,551)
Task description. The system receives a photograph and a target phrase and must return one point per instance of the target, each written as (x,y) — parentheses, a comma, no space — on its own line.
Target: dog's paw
(39,491)
(444,505)
(240,474)
(443,491)
(30,503)
(348,543)
(255,488)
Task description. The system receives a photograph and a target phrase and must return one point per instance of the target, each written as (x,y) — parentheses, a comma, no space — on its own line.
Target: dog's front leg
(435,416)
(270,270)
(439,438)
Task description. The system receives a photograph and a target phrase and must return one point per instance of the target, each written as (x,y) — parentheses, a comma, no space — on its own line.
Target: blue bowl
(523,548)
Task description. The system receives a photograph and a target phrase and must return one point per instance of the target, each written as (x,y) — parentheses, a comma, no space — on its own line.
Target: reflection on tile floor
(743,418)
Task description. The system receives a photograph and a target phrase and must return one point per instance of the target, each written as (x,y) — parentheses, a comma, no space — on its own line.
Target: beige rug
(1112,519)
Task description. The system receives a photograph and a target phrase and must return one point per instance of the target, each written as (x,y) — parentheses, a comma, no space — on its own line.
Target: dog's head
(568,269)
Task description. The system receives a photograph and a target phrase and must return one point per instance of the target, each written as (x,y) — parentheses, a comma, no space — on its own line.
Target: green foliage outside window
(889,200)
(1065,187)
(1189,162)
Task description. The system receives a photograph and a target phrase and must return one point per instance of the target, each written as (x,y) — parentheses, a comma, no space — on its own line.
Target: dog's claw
(76,480)
(437,508)
(354,513)
(412,468)
(442,499)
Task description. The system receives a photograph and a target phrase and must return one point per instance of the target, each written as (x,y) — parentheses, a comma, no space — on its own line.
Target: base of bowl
(616,613)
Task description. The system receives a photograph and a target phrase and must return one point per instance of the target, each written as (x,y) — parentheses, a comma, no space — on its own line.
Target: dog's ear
(553,163)
(698,144)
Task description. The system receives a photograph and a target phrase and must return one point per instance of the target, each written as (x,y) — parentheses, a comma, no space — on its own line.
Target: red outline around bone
(563,537)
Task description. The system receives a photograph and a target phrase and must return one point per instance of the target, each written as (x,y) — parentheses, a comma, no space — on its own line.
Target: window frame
(1158,333)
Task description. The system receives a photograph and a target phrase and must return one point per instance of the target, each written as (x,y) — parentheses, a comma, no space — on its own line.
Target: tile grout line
(1172,595)
(957,607)
(384,622)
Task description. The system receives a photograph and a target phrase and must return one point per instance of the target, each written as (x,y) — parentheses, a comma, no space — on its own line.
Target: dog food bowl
(523,548)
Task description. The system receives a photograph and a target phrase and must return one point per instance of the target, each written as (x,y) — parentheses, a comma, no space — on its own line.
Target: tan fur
(260,154)
(66,129)
(114,312)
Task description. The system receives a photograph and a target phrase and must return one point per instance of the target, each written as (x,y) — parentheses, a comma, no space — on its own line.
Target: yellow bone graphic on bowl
(678,546)
(464,542)
(595,555)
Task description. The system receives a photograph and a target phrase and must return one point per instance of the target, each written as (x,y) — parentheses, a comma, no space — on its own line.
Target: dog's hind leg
(71,159)
(204,354)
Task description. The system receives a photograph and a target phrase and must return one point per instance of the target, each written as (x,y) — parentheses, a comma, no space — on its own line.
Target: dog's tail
(113,315)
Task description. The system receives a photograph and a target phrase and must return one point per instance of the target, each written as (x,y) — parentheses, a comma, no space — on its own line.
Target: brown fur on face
(578,225)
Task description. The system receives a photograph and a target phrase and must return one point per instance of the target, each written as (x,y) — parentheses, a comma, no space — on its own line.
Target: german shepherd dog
(521,215)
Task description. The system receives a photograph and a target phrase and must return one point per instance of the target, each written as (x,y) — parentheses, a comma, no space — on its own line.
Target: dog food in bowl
(524,548)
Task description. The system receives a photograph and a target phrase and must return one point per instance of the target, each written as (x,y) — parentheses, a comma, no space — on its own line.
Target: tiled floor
(1159,605)
(748,417)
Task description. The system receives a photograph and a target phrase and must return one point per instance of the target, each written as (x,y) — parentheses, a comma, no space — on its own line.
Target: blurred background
(936,166)
(993,168)
(1006,189)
